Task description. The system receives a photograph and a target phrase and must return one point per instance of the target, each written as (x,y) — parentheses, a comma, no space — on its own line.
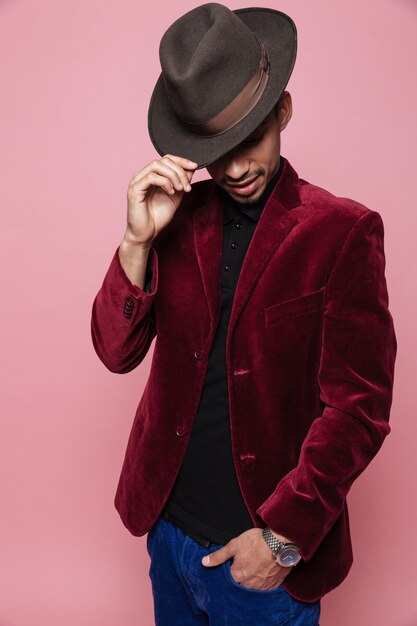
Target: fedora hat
(222,73)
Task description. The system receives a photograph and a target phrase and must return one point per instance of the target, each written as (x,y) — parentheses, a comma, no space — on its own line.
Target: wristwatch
(286,554)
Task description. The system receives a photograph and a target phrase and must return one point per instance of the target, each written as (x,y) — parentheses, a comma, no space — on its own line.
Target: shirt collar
(232,211)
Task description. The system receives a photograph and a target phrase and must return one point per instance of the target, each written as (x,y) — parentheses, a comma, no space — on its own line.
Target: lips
(245,189)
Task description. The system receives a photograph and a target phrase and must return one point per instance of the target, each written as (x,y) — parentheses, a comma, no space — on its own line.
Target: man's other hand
(253,564)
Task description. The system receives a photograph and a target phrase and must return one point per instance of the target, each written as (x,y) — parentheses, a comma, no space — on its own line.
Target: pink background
(76,78)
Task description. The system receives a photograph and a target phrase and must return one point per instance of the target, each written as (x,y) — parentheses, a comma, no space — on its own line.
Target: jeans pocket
(228,575)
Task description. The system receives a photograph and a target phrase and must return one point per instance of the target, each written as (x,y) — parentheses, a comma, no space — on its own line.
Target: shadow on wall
(413,5)
(3,5)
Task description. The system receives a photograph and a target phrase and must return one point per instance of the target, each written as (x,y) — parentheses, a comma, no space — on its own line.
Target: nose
(235,167)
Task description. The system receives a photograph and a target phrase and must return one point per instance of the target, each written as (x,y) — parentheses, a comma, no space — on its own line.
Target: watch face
(289,556)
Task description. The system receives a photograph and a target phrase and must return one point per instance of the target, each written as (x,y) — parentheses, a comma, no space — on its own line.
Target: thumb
(217,557)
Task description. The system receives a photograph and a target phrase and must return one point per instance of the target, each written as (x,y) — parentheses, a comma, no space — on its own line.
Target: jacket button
(181,430)
(129,304)
(199,354)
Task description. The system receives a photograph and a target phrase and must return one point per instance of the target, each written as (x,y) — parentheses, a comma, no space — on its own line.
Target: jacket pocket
(301,305)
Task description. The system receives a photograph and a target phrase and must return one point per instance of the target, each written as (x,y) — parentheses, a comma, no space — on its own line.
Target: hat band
(240,106)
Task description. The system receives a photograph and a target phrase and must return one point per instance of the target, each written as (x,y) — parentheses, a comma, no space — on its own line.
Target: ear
(284,110)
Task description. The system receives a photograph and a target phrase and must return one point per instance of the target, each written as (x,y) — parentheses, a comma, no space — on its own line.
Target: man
(271,380)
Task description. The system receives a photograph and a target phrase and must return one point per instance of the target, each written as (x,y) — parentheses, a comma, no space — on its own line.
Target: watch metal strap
(272,541)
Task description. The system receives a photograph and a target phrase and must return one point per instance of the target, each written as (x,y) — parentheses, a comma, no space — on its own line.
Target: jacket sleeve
(123,322)
(355,379)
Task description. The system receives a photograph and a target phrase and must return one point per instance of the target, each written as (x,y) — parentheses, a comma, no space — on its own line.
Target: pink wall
(76,78)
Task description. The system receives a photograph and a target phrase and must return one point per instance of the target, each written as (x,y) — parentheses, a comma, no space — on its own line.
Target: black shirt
(206,498)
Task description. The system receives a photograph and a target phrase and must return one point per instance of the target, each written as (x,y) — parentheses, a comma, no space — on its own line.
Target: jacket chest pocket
(301,305)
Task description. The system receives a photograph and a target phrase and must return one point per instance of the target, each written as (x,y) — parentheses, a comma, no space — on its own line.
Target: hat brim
(167,133)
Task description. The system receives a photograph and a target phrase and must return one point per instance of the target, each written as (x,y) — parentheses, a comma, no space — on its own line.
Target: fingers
(158,167)
(179,175)
(185,163)
(183,175)
(171,167)
(218,556)
(151,179)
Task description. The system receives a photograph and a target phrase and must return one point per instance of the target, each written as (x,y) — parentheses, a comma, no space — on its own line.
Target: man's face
(245,171)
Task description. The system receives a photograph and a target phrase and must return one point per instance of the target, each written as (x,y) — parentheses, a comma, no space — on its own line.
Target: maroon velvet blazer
(310,357)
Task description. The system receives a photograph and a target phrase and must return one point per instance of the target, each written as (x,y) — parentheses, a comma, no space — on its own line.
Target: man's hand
(154,194)
(253,564)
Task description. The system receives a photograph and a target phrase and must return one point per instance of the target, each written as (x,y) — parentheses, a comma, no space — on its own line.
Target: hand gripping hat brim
(168,132)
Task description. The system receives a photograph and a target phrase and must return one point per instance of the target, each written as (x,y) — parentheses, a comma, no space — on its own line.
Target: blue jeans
(186,593)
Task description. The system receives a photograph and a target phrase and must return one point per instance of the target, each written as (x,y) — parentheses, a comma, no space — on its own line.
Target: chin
(250,199)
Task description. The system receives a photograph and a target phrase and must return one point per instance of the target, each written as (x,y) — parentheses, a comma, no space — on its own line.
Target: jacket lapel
(274,225)
(208,233)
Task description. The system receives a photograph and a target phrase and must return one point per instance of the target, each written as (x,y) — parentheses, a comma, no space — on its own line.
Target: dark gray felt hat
(222,73)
